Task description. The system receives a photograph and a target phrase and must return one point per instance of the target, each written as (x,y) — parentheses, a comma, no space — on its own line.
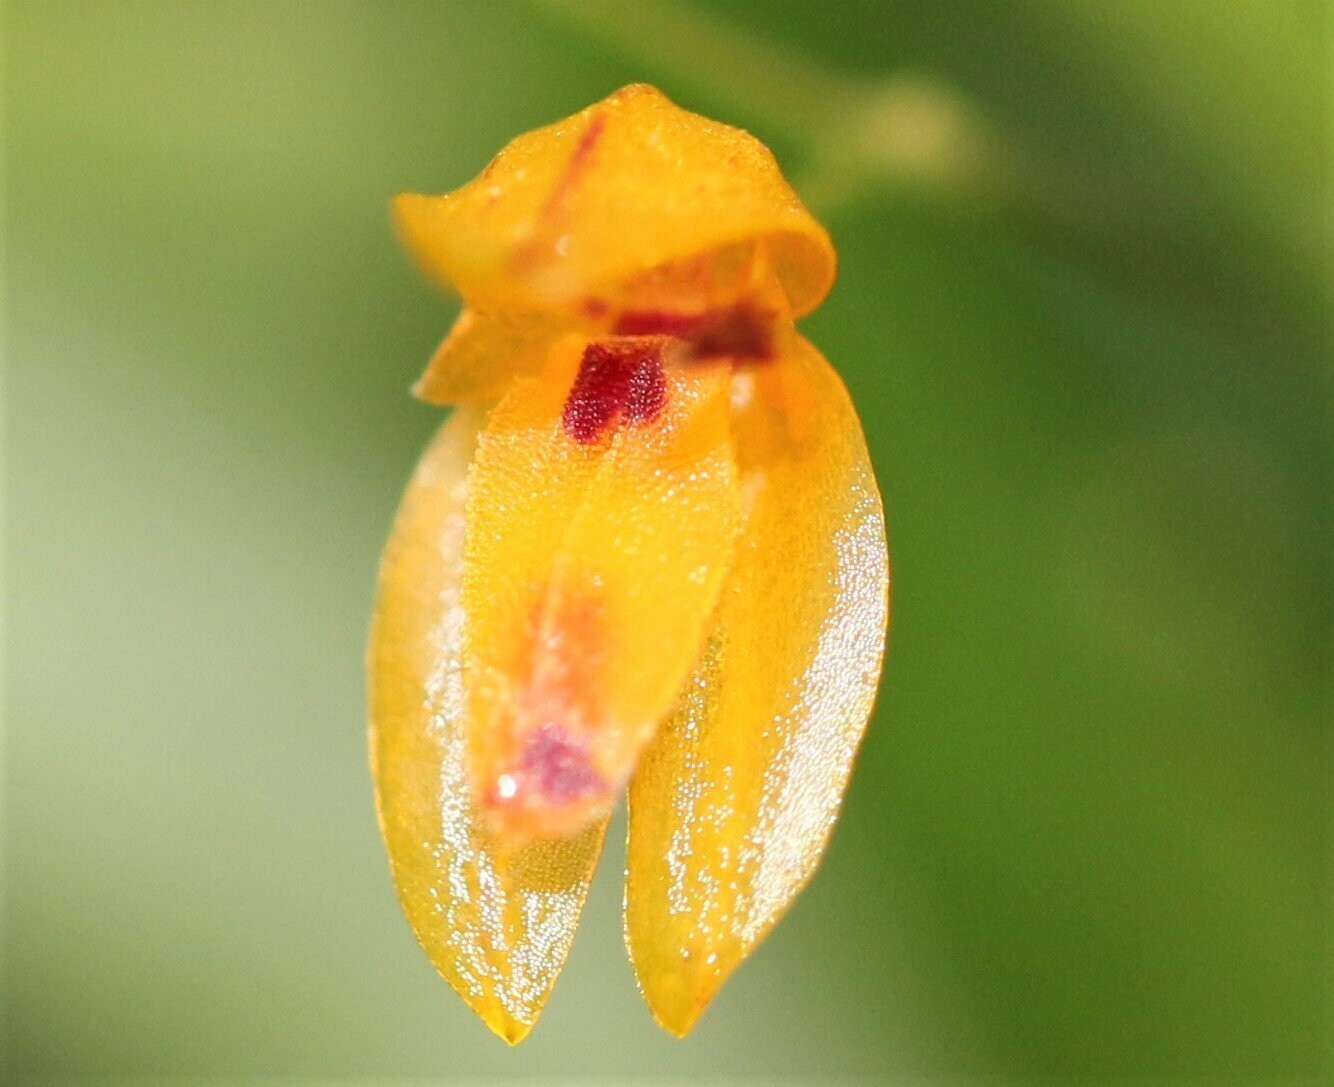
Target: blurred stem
(861,134)
(800,96)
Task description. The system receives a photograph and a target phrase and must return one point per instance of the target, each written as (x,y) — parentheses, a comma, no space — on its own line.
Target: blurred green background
(1084,311)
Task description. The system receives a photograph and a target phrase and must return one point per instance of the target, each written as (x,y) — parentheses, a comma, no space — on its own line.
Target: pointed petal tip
(404,210)
(404,204)
(678,1016)
(512,1031)
(677,1024)
(678,997)
(500,1022)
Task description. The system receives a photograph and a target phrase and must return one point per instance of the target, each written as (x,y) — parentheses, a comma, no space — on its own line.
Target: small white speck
(743,389)
(506,786)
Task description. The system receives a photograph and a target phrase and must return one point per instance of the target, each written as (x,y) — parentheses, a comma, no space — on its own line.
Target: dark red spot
(558,766)
(740,331)
(616,379)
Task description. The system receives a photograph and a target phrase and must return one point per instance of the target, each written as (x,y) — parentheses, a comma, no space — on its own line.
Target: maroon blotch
(596,395)
(740,331)
(652,322)
(647,393)
(616,379)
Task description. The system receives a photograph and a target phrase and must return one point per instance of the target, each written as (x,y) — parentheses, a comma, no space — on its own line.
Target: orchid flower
(645,554)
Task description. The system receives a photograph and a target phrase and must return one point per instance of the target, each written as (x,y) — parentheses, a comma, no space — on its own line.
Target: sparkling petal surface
(627,185)
(591,570)
(734,801)
(496,923)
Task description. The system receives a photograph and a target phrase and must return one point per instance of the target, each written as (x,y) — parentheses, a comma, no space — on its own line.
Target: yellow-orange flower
(646,551)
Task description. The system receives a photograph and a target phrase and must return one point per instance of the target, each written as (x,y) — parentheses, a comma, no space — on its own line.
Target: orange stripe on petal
(601,519)
(734,801)
(496,923)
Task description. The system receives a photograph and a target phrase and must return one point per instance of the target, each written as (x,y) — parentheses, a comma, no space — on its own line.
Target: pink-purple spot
(558,766)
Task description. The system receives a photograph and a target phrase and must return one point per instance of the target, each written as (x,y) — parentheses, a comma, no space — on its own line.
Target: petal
(735,799)
(482,353)
(497,924)
(592,565)
(627,185)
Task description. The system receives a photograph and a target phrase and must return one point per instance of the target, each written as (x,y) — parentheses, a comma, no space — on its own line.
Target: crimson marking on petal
(578,163)
(647,392)
(658,323)
(545,243)
(741,331)
(616,379)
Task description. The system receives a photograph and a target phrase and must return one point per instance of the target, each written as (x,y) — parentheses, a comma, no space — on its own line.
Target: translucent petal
(736,797)
(482,353)
(496,923)
(632,183)
(592,567)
